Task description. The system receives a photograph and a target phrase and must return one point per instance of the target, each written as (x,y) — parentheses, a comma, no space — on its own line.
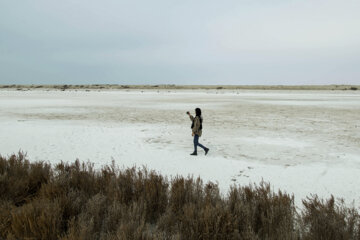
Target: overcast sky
(180,42)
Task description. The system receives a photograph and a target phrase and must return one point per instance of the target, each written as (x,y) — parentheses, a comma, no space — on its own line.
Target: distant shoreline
(185,87)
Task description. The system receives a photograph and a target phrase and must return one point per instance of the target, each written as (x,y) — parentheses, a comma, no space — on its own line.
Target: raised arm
(191,117)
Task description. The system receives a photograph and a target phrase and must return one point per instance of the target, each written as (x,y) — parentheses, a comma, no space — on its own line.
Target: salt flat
(302,142)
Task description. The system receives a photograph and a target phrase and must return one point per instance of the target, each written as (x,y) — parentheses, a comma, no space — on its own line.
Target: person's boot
(194,153)
(206,151)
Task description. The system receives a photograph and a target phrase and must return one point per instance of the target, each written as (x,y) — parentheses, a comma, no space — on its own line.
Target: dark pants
(196,143)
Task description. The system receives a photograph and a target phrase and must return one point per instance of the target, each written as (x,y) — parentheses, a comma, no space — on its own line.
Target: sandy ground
(302,142)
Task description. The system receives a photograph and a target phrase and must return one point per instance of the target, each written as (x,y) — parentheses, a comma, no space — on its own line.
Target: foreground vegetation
(74,201)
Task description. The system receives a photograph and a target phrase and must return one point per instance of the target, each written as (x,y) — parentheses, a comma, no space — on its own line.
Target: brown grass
(74,201)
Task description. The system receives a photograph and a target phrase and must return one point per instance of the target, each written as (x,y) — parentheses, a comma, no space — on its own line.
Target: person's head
(198,111)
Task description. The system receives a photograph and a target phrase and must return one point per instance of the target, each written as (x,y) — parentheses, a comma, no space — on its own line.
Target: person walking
(196,128)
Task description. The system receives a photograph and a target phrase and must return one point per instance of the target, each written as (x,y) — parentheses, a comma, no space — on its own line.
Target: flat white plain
(302,142)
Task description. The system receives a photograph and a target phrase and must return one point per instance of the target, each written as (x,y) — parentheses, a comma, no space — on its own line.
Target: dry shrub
(247,213)
(89,222)
(151,190)
(153,194)
(113,217)
(80,177)
(123,190)
(115,221)
(126,222)
(184,191)
(39,219)
(207,222)
(133,223)
(262,212)
(148,188)
(329,220)
(20,180)
(73,201)
(205,217)
(5,218)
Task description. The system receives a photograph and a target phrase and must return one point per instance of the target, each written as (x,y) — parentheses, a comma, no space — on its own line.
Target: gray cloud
(184,42)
